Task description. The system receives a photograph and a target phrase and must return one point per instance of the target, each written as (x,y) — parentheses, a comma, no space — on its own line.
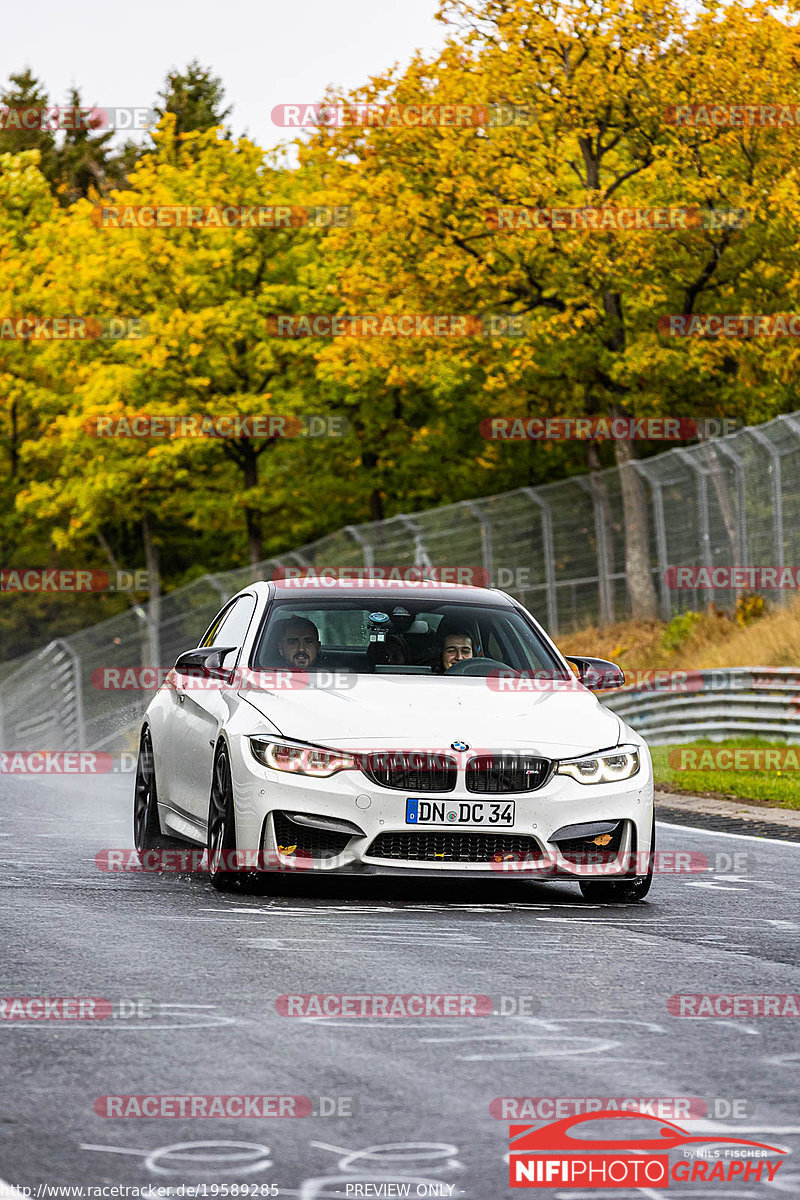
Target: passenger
(299,644)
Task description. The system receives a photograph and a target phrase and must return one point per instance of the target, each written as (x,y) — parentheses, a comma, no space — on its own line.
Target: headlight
(297,759)
(608,767)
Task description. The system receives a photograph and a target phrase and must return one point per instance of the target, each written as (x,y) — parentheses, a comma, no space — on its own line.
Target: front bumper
(262,795)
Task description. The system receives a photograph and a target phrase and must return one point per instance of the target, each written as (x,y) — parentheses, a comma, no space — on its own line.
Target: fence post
(224,594)
(702,504)
(366,547)
(549,557)
(777,491)
(738,467)
(487,555)
(75,663)
(421,556)
(661,544)
(605,593)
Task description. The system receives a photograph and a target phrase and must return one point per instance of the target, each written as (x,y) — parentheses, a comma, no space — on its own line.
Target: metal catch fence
(560,548)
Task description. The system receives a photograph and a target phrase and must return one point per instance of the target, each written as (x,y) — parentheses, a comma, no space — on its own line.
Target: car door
(201,708)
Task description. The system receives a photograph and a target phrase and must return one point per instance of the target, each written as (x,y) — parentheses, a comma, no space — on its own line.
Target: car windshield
(380,634)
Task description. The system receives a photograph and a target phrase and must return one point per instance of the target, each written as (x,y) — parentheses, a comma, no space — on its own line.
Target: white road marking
(546,1051)
(110,1149)
(716,887)
(746,837)
(405,1153)
(234,1163)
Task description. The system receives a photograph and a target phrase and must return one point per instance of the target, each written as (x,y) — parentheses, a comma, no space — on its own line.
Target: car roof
(356,590)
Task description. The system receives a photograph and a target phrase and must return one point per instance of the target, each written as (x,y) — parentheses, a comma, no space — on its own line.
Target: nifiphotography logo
(553,1156)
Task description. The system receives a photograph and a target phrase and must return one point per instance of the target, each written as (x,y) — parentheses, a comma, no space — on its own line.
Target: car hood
(431,712)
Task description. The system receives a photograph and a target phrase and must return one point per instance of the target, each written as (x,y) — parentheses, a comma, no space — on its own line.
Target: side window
(230,627)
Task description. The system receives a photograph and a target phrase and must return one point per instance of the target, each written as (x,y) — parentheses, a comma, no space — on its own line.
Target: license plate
(459,812)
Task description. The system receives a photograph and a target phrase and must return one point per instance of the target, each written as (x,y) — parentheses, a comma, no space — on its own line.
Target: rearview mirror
(597,673)
(204,662)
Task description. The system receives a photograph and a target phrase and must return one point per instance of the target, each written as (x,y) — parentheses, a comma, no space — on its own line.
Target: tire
(147,833)
(622,891)
(221,839)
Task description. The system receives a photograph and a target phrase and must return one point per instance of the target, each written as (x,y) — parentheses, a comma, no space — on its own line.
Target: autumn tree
(590,86)
(204,295)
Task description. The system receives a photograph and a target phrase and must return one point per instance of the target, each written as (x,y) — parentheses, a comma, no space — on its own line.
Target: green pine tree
(196,98)
(83,157)
(25,91)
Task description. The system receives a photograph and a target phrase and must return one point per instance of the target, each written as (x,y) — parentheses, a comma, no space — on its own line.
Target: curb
(728,816)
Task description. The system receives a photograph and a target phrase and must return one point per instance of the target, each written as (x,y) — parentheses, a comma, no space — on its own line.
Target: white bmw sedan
(375,728)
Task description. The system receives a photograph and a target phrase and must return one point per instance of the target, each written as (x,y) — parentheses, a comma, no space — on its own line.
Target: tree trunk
(13,444)
(255,538)
(601,504)
(375,505)
(369,461)
(644,602)
(152,641)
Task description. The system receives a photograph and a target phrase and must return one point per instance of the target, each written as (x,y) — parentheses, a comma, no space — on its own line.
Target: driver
(299,644)
(456,645)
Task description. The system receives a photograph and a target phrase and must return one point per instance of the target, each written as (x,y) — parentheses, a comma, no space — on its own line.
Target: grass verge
(771,788)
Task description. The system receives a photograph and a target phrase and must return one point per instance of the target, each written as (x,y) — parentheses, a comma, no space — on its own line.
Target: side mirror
(597,673)
(204,662)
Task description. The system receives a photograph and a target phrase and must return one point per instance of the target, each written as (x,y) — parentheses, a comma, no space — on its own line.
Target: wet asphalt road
(211,966)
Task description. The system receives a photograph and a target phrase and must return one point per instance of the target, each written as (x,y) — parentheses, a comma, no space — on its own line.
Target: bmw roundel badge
(459,746)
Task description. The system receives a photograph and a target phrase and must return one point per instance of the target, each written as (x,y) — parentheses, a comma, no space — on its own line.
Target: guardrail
(671,706)
(722,703)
